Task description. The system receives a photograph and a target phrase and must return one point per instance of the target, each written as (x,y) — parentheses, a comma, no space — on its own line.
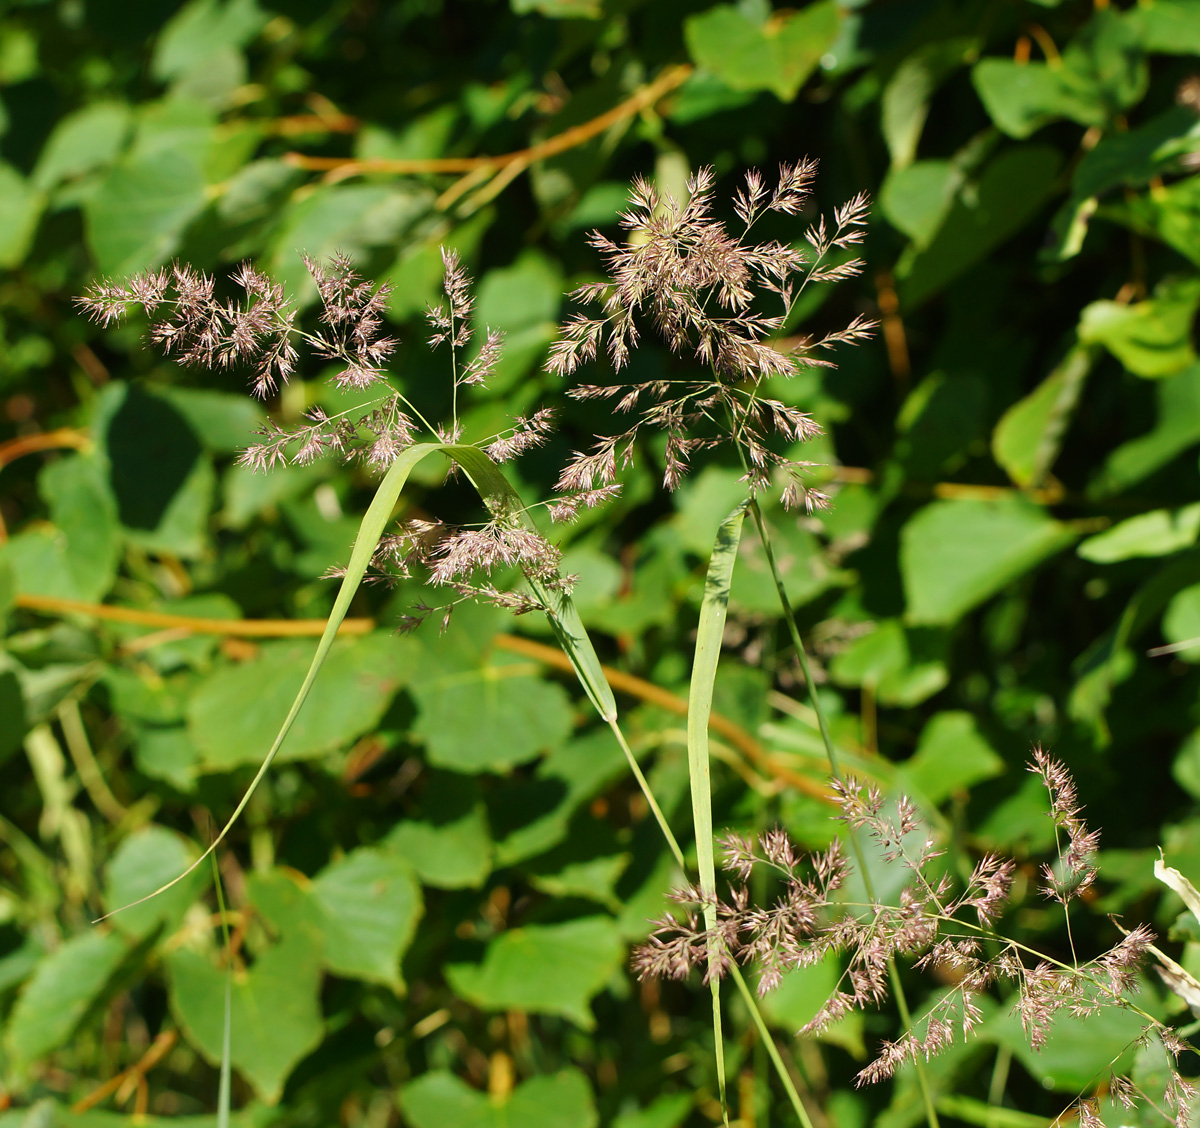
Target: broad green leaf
(65,985)
(1010,191)
(1165,26)
(1181,623)
(1076,1051)
(1151,338)
(544,969)
(916,198)
(341,219)
(86,140)
(489,719)
(1170,213)
(939,421)
(1022,97)
(1158,533)
(371,904)
(956,554)
(776,55)
(140,865)
(439,1099)
(529,816)
(801,993)
(136,217)
(450,847)
(1135,156)
(21,204)
(1029,435)
(952,755)
(903,667)
(234,713)
(905,102)
(167,753)
(204,29)
(76,556)
(276,1008)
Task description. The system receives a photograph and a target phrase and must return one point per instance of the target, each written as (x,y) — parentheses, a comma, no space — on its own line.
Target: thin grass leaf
(500,498)
(713,610)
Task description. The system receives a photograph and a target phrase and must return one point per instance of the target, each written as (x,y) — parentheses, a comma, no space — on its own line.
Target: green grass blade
(378,514)
(713,609)
(502,500)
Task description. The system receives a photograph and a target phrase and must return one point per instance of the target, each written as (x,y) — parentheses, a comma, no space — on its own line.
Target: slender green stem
(831,752)
(769,1042)
(224,1089)
(659,817)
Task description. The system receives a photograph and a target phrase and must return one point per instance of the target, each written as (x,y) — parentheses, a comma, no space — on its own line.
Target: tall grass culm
(721,302)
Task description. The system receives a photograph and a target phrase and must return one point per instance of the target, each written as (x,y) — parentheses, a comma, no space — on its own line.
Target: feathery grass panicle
(928,922)
(703,289)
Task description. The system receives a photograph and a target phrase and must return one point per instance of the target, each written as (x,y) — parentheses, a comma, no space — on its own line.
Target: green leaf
(1135,156)
(86,140)
(64,986)
(341,218)
(803,992)
(371,904)
(21,204)
(905,102)
(450,848)
(1022,97)
(276,1009)
(489,719)
(916,198)
(544,969)
(903,667)
(1165,26)
(136,217)
(224,422)
(1009,193)
(1029,435)
(1181,624)
(1158,533)
(204,29)
(1151,338)
(234,713)
(140,865)
(956,554)
(952,755)
(439,1099)
(75,557)
(1076,1051)
(776,55)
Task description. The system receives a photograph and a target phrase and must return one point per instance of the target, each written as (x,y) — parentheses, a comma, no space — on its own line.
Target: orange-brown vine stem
(240,628)
(157,1051)
(45,440)
(641,99)
(737,736)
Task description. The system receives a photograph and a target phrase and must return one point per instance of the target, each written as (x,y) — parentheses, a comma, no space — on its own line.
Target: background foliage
(437,892)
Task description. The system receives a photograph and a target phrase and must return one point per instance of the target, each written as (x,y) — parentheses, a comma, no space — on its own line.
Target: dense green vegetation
(436,890)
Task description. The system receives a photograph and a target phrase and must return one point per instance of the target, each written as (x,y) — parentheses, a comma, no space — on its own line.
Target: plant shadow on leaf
(143,431)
